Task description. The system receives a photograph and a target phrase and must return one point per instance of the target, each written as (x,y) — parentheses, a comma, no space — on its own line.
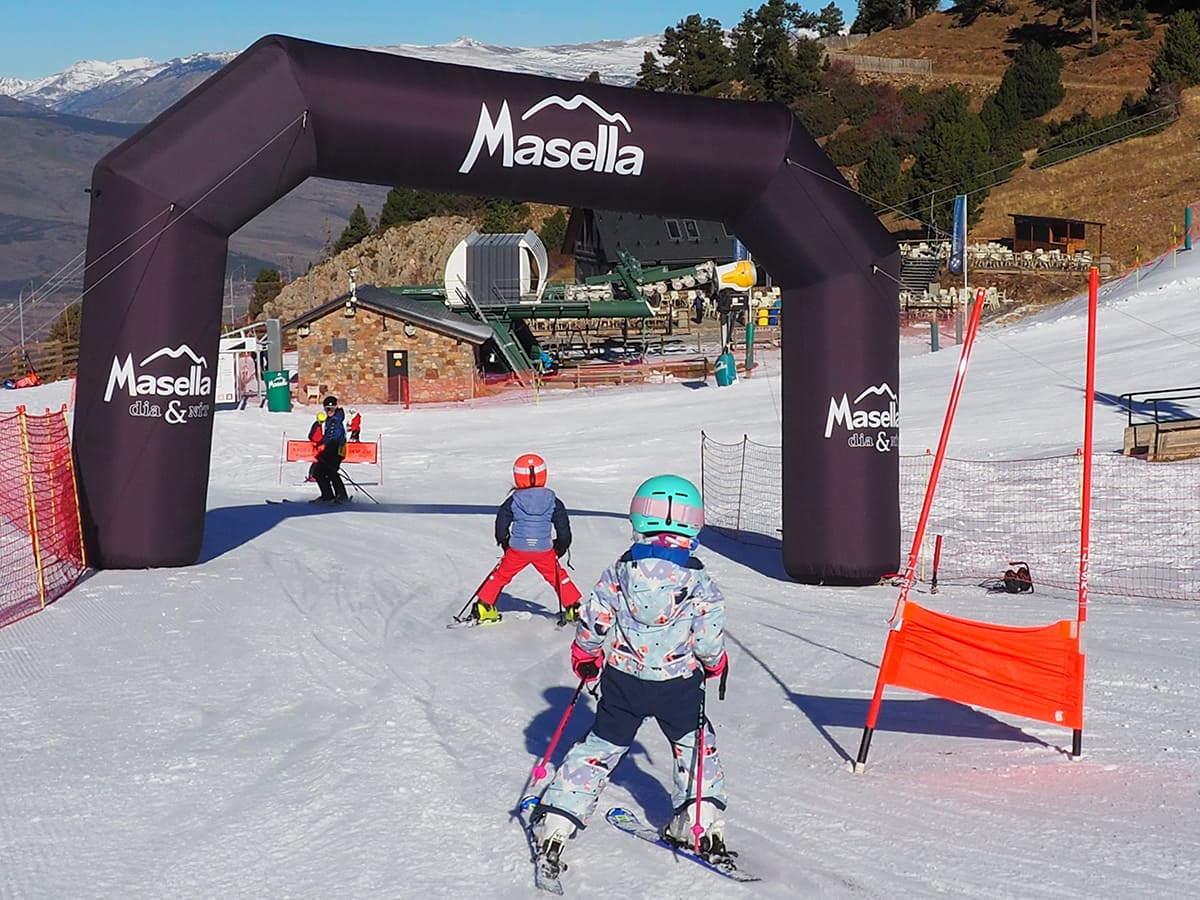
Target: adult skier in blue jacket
(330,453)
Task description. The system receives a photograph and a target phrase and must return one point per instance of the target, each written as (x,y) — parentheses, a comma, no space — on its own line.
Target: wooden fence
(690,369)
(888,65)
(52,360)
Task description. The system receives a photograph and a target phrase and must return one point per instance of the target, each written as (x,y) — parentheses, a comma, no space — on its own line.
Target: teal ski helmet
(667,503)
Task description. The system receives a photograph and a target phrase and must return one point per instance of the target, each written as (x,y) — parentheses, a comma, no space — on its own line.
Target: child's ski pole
(539,771)
(698,829)
(562,615)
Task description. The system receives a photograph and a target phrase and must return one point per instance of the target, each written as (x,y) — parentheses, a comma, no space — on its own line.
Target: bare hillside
(1138,188)
(977,55)
(410,254)
(407,254)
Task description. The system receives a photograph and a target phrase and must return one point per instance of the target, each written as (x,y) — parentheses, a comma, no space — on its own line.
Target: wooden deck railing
(52,360)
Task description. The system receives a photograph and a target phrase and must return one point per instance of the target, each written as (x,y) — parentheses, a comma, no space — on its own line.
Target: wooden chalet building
(1068,236)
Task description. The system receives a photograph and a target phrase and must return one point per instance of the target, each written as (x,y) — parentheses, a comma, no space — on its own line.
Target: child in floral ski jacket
(662,621)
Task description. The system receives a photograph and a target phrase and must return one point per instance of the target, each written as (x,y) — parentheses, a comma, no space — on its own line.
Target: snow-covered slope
(290,717)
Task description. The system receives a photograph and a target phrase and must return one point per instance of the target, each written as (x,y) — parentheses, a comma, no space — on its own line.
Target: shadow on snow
(228,527)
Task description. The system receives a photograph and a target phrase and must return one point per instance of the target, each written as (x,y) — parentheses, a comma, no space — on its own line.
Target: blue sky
(43,38)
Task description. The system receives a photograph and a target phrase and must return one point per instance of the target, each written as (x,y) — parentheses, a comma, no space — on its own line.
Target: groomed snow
(290,717)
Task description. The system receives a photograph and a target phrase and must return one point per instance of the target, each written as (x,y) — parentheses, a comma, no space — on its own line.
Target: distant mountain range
(136,90)
(56,128)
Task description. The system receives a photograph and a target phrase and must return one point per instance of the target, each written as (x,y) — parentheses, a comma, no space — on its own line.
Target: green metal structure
(628,292)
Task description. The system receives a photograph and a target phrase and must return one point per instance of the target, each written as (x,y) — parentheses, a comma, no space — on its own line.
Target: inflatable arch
(164,203)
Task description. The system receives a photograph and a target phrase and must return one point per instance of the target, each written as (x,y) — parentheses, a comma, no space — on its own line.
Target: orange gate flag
(356,452)
(1035,672)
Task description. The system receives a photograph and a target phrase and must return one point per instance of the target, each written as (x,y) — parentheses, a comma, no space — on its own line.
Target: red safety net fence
(41,540)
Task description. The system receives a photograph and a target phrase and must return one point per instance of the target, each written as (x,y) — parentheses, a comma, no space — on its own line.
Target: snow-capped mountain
(56,128)
(117,91)
(617,62)
(79,78)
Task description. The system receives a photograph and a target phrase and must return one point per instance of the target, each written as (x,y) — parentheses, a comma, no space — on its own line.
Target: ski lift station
(377,342)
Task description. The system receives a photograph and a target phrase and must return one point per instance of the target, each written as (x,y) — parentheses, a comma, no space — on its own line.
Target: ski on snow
(467,622)
(314,503)
(545,869)
(723,864)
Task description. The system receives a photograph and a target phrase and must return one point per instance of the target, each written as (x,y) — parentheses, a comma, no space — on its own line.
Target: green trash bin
(726,369)
(279,391)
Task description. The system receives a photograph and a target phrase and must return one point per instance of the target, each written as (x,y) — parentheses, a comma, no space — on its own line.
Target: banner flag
(958,243)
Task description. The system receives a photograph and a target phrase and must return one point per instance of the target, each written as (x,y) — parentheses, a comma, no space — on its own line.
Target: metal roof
(482,239)
(1054,218)
(430,314)
(651,240)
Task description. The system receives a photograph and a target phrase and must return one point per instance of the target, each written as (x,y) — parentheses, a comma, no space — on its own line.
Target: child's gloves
(586,663)
(504,545)
(714,671)
(560,547)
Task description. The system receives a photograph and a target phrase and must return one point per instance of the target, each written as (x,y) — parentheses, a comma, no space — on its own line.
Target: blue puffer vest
(532,509)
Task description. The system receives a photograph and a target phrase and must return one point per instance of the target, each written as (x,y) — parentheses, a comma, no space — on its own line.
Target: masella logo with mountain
(186,395)
(866,413)
(605,154)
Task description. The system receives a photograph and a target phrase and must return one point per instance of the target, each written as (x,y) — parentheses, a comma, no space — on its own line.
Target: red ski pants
(514,561)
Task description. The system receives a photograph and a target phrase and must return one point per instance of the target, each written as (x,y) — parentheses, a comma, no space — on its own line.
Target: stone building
(385,346)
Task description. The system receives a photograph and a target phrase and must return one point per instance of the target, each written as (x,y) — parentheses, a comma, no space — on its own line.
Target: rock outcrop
(408,254)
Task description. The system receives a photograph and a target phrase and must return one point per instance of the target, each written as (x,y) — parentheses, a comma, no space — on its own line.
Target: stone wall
(440,368)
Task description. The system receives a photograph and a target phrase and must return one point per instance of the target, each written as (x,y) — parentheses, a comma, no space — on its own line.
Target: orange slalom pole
(911,567)
(1085,514)
(939,456)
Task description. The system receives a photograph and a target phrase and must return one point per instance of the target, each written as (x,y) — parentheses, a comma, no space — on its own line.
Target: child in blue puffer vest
(533,528)
(661,620)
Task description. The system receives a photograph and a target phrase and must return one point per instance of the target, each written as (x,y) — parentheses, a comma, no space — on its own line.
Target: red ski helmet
(529,470)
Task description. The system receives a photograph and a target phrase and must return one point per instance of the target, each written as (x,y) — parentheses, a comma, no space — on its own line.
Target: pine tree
(504,217)
(404,205)
(743,45)
(968,11)
(267,286)
(876,15)
(879,176)
(354,232)
(769,58)
(1001,112)
(66,326)
(398,208)
(830,21)
(1178,59)
(952,153)
(698,58)
(1035,73)
(651,77)
(554,230)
